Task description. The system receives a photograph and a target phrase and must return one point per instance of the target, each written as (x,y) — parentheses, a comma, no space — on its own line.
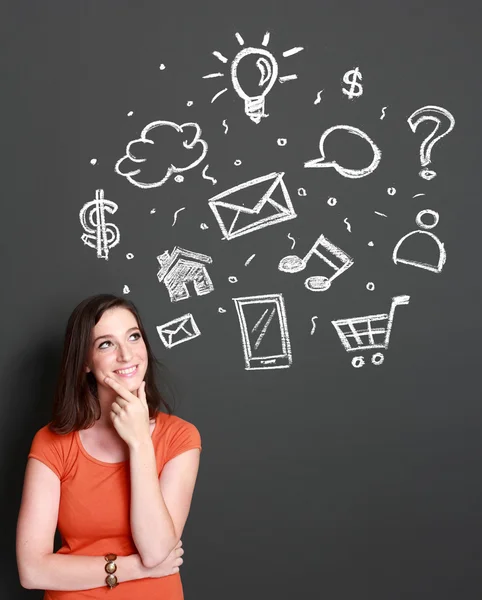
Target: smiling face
(118,350)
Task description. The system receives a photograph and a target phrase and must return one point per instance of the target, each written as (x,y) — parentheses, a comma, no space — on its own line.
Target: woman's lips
(130,372)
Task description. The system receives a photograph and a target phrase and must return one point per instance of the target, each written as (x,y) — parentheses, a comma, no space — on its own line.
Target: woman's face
(118,350)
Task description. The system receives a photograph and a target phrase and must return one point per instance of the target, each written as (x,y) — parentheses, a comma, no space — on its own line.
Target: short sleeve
(186,437)
(46,448)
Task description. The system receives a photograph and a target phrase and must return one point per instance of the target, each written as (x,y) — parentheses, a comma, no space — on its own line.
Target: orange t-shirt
(94,504)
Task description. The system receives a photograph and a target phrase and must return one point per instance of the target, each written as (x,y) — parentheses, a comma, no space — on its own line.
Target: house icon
(182,267)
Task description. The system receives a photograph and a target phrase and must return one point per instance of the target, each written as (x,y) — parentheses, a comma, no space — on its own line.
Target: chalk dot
(301,192)
(153,210)
(332,201)
(189,103)
(162,66)
(427,174)
(126,289)
(130,113)
(391,191)
(204,226)
(237,162)
(371,244)
(370,286)
(129,256)
(93,161)
(179,178)
(232,279)
(282,141)
(221,310)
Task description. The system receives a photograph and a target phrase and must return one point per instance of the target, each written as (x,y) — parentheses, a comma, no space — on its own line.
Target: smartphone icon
(264,331)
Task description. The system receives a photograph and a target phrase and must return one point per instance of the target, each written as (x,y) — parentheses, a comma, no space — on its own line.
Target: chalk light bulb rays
(254,104)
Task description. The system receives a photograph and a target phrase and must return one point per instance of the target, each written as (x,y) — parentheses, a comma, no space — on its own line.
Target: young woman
(111,471)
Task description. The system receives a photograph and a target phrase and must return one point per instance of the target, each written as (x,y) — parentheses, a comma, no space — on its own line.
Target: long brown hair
(76,405)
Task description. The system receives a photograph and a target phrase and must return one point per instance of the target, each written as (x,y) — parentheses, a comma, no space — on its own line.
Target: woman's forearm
(72,572)
(151,524)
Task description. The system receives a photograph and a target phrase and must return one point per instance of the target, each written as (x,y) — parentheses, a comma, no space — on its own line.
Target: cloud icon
(350,173)
(159,155)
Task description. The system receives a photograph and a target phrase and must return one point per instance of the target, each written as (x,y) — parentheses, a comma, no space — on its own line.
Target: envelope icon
(178,331)
(268,203)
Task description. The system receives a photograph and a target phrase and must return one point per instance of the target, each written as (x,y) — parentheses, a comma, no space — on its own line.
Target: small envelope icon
(178,331)
(266,206)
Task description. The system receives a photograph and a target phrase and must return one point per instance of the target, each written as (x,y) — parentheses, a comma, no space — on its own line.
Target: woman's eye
(102,346)
(136,335)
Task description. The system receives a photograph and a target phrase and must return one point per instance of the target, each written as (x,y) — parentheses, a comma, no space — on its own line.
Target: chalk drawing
(213,181)
(301,192)
(282,141)
(353,78)
(350,173)
(313,325)
(130,113)
(237,162)
(380,213)
(331,201)
(179,178)
(327,252)
(93,161)
(125,289)
(443,120)
(359,334)
(249,260)
(318,97)
(128,165)
(272,205)
(232,279)
(204,226)
(347,223)
(99,235)
(383,113)
(263,319)
(370,286)
(175,215)
(391,191)
(226,128)
(441,248)
(290,237)
(182,267)
(266,63)
(178,331)
(129,256)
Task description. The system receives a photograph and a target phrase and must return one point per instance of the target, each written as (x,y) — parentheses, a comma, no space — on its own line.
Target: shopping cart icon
(359,333)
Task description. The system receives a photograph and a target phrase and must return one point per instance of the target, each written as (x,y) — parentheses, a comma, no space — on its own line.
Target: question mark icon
(430,113)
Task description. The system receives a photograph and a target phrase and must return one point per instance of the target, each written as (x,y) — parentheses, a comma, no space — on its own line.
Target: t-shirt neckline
(105,463)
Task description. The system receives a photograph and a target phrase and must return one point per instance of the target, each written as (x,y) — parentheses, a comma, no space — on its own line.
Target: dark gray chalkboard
(317,479)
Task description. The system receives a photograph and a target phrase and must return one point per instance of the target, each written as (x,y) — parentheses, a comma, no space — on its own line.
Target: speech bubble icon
(351,173)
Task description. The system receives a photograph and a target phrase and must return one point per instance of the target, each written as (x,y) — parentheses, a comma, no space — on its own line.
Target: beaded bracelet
(110,568)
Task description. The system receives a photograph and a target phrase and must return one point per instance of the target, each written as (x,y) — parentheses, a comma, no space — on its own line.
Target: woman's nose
(124,353)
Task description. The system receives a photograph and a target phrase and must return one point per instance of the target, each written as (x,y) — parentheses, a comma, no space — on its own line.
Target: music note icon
(335,258)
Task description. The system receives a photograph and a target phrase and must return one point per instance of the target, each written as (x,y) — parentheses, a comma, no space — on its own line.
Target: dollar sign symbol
(351,78)
(100,235)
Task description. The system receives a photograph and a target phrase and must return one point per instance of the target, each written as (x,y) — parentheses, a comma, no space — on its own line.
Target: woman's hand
(130,413)
(169,566)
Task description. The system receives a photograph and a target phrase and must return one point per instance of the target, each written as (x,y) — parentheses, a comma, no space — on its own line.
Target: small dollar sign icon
(100,235)
(351,78)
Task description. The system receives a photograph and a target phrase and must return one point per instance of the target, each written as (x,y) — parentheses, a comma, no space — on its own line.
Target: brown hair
(76,404)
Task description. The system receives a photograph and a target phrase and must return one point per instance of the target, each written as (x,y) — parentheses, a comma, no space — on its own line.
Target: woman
(111,471)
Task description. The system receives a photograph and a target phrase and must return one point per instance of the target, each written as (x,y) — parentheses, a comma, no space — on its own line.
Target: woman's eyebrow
(110,335)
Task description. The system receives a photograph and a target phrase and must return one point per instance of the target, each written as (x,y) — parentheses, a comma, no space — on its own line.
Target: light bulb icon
(254,104)
(265,62)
